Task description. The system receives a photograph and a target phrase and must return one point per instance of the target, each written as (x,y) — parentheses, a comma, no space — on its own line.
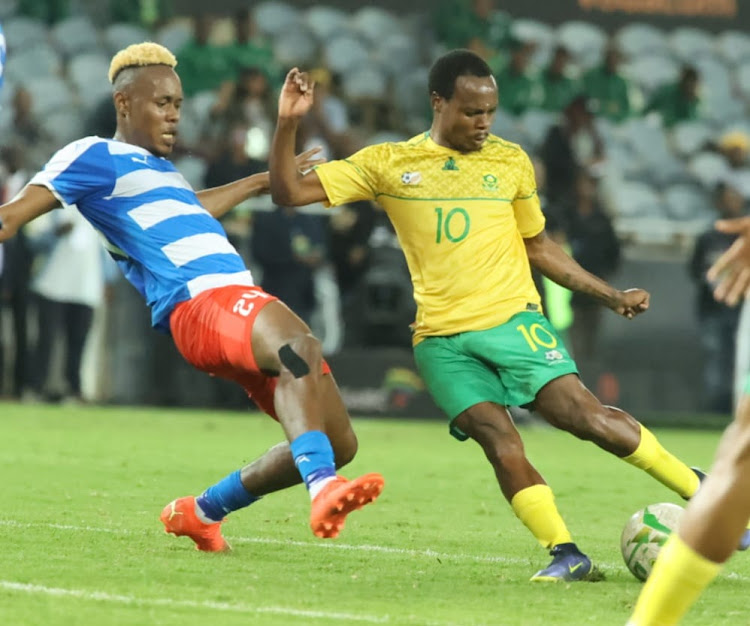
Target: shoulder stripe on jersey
(142,180)
(187,249)
(211,281)
(389,195)
(153,213)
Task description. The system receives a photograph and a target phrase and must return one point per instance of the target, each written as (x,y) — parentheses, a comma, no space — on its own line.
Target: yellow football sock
(535,507)
(665,467)
(678,578)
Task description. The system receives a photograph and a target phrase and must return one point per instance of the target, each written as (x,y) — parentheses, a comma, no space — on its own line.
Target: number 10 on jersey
(454,227)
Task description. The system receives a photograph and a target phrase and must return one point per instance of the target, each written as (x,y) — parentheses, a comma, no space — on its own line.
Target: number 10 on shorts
(537,336)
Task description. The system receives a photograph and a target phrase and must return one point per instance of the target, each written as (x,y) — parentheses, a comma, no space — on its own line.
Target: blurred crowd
(576,111)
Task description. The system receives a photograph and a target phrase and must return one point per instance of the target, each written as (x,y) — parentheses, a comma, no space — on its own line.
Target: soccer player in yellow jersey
(466,212)
(716,519)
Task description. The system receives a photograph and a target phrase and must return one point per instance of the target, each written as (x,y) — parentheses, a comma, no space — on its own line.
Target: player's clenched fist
(296,96)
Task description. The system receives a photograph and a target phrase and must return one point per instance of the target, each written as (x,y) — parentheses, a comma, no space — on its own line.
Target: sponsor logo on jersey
(411,178)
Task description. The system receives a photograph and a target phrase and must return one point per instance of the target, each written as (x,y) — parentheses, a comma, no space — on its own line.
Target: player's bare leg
(710,530)
(283,345)
(567,404)
(319,433)
(491,426)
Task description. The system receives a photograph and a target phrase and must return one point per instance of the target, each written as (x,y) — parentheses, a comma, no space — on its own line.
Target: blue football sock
(228,495)
(313,456)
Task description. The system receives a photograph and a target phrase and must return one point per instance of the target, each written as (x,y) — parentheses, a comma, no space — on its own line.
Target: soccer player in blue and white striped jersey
(166,239)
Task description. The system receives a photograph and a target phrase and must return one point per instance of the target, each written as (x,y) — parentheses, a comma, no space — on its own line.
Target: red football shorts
(213,333)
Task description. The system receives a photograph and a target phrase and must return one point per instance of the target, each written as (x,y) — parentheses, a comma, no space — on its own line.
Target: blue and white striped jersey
(168,246)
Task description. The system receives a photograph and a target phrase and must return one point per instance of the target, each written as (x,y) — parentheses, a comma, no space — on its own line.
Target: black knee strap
(293,361)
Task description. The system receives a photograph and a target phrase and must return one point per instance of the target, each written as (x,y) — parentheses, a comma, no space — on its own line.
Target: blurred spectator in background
(718,322)
(102,121)
(594,244)
(247,101)
(608,88)
(289,246)
(2,56)
(559,86)
(203,66)
(734,147)
(679,101)
(147,13)
(473,24)
(249,49)
(49,11)
(233,160)
(14,280)
(67,289)
(556,299)
(349,230)
(328,125)
(570,145)
(519,89)
(26,130)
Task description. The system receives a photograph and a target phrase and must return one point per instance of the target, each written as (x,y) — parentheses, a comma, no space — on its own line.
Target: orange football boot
(179,519)
(339,498)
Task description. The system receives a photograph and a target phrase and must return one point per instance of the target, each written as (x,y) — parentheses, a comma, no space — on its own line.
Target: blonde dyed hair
(140,55)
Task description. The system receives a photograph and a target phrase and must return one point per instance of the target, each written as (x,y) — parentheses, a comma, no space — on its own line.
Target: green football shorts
(507,364)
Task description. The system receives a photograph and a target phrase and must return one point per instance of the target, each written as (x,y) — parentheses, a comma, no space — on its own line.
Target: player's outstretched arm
(290,186)
(220,200)
(731,271)
(31,202)
(557,265)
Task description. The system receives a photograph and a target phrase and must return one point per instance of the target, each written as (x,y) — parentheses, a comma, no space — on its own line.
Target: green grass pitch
(82,490)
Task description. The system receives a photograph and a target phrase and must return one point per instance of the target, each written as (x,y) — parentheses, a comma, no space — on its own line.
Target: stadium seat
(733,46)
(295,47)
(687,202)
(411,87)
(88,74)
(397,52)
(193,168)
(175,35)
(119,36)
(742,80)
(74,35)
(690,44)
(38,60)
(8,8)
(690,137)
(374,24)
(365,82)
(274,17)
(325,21)
(708,169)
(64,125)
(716,78)
(583,39)
(637,199)
(640,39)
(543,35)
(49,94)
(535,124)
(22,33)
(651,72)
(344,53)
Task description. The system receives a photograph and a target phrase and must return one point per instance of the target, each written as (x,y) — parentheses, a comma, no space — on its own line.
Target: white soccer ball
(645,534)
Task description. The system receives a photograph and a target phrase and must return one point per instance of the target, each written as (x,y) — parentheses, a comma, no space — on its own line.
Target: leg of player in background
(713,523)
(533,502)
(317,426)
(567,404)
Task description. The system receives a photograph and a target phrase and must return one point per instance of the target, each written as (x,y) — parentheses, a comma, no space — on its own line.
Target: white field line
(102,596)
(431,554)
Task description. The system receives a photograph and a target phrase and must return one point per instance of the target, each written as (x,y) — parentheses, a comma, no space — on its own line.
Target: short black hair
(450,66)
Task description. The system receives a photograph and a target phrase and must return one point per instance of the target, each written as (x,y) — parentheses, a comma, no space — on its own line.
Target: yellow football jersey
(460,219)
